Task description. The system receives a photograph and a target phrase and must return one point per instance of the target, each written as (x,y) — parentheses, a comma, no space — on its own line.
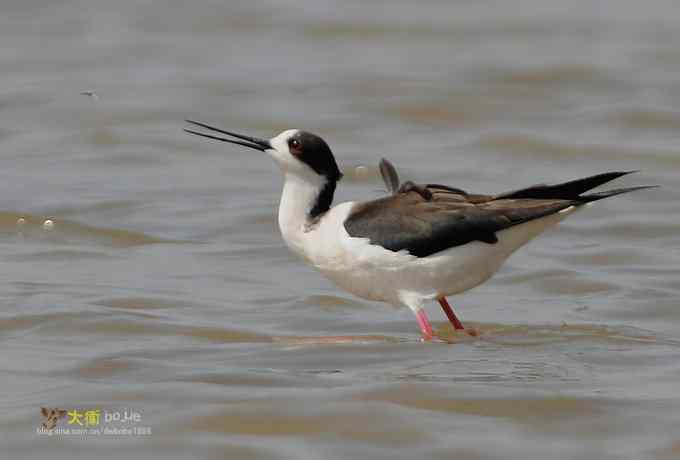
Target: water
(163,286)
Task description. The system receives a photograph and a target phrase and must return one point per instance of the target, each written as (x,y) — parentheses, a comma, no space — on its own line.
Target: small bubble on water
(48,224)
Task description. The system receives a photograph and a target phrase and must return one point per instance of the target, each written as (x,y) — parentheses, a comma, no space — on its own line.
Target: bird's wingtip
(389,175)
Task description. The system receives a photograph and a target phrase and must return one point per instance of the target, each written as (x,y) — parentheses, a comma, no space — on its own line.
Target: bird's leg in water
(424,324)
(453,318)
(450,314)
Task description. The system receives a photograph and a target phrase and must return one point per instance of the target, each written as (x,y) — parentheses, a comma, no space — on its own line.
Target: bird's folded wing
(409,221)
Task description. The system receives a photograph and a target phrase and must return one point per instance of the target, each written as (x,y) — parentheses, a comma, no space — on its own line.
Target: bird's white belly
(386,276)
(374,273)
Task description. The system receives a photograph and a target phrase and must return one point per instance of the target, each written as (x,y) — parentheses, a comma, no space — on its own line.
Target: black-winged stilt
(422,242)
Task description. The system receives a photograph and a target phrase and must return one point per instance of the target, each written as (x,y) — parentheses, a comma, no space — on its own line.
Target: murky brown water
(163,286)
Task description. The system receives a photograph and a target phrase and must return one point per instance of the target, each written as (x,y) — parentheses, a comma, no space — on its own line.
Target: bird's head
(297,152)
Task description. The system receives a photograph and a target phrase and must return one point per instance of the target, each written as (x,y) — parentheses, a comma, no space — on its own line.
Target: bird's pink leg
(424,324)
(454,319)
(450,314)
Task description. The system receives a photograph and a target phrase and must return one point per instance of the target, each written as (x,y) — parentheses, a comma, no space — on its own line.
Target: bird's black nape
(315,153)
(324,200)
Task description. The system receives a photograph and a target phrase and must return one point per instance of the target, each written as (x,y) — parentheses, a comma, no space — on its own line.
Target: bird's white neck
(303,199)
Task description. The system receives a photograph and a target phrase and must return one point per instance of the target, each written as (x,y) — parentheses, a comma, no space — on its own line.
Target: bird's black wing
(410,221)
(426,219)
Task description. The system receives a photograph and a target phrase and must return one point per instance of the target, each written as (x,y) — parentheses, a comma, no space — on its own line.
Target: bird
(420,243)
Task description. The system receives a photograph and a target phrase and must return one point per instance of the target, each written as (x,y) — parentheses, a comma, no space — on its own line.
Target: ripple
(334,303)
(361,423)
(560,282)
(606,257)
(60,255)
(141,303)
(242,379)
(335,340)
(20,322)
(107,367)
(526,145)
(516,409)
(65,231)
(647,119)
(436,113)
(541,335)
(557,75)
(208,333)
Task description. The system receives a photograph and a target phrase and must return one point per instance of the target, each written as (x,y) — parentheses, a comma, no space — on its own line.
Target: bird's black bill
(247,141)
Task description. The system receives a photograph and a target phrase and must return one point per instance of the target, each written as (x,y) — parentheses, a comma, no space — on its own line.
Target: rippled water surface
(161,285)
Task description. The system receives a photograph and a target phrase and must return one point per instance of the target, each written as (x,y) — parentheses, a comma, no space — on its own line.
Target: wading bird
(422,242)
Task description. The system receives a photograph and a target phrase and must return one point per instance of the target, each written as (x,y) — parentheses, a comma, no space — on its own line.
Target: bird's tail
(574,189)
(607,193)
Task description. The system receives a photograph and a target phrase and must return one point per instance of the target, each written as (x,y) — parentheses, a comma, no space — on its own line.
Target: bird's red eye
(295,146)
